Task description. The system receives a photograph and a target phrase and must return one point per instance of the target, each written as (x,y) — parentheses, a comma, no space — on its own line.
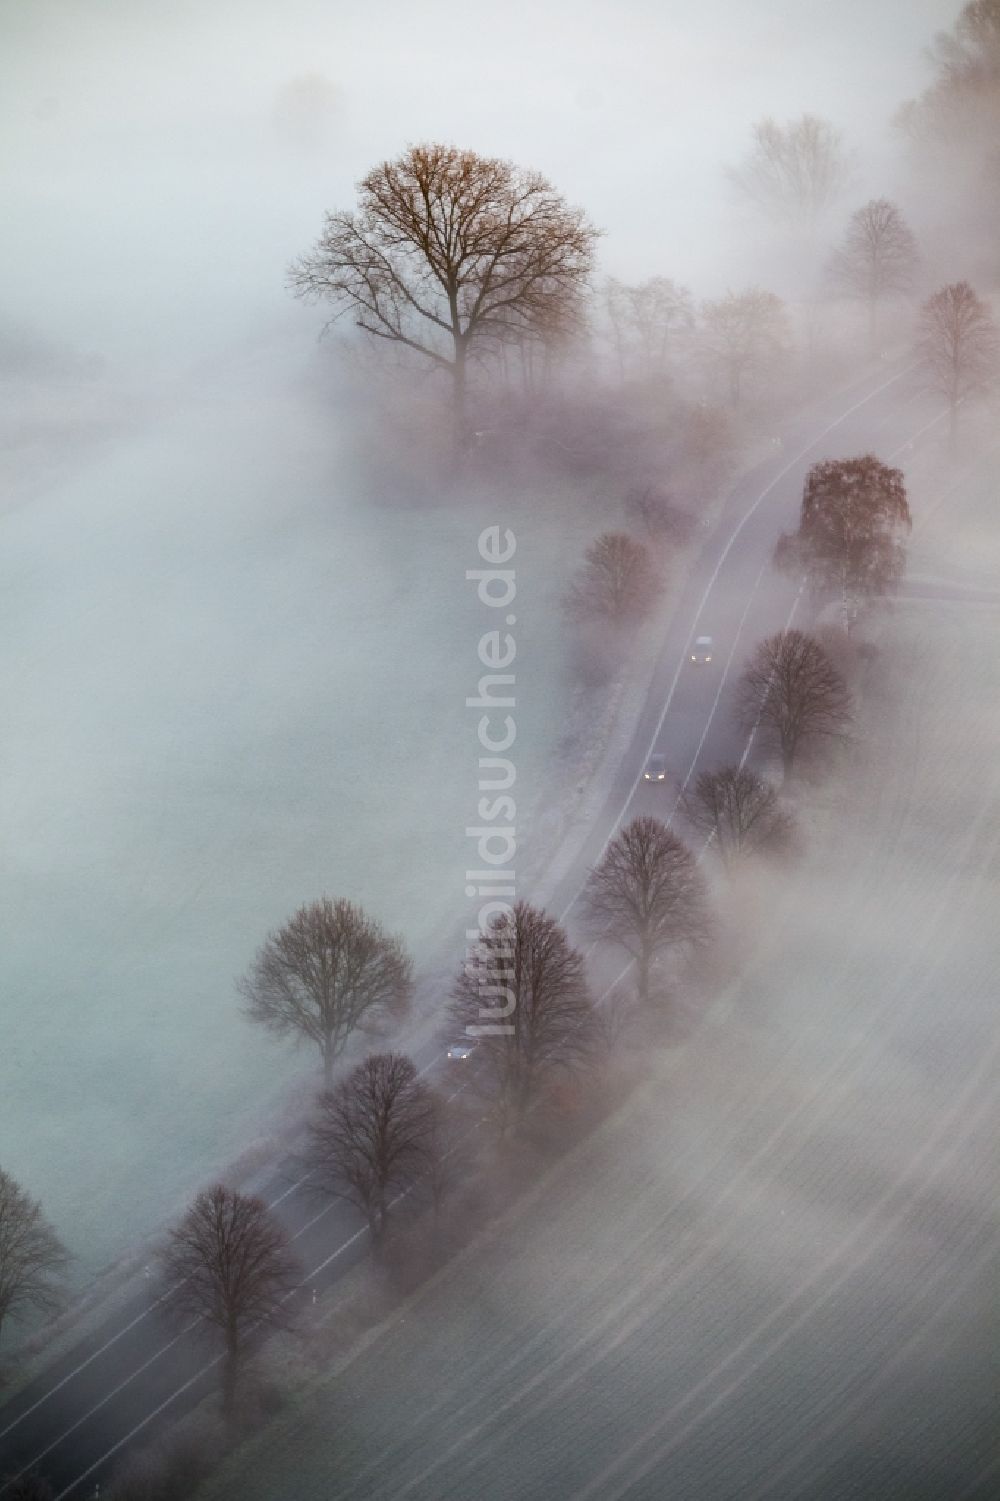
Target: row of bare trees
(381,1134)
(456,258)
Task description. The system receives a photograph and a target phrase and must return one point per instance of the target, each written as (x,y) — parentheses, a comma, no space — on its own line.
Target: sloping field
(771,1274)
(233,682)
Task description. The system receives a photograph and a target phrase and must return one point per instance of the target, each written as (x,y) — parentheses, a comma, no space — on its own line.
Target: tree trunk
(328,1052)
(643,963)
(787,756)
(229,1375)
(460,386)
(873,324)
(845,607)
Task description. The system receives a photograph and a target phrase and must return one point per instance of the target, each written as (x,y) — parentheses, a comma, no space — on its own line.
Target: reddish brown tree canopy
(850,538)
(450,254)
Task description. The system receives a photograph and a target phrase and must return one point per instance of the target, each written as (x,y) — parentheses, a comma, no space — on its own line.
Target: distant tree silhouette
(652,510)
(793,172)
(32,1487)
(953,130)
(451,255)
(616,582)
(522,996)
(373,1136)
(958,347)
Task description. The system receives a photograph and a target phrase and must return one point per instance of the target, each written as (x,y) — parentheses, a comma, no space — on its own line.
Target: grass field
(232,683)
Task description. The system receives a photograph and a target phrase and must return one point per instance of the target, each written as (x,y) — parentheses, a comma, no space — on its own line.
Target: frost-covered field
(231,684)
(772,1273)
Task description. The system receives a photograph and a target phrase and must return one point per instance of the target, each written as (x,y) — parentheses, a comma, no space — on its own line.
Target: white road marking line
(752,509)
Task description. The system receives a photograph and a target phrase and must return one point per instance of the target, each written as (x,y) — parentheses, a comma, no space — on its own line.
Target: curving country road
(138,1371)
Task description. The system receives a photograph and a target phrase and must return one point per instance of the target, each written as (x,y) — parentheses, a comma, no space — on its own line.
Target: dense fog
(240,655)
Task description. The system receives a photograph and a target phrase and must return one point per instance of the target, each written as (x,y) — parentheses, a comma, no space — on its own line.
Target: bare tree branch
(878,257)
(616,582)
(793,172)
(792,694)
(742,337)
(373,1136)
(740,812)
(958,347)
(648,896)
(523,996)
(329,970)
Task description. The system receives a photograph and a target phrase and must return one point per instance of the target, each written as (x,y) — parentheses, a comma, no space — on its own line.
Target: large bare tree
(878,257)
(648,896)
(740,812)
(522,995)
(234,1269)
(850,542)
(32,1256)
(792,694)
(451,254)
(793,172)
(329,970)
(374,1136)
(742,337)
(958,347)
(616,582)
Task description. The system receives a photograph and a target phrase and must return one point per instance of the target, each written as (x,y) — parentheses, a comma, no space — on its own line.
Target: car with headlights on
(656,769)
